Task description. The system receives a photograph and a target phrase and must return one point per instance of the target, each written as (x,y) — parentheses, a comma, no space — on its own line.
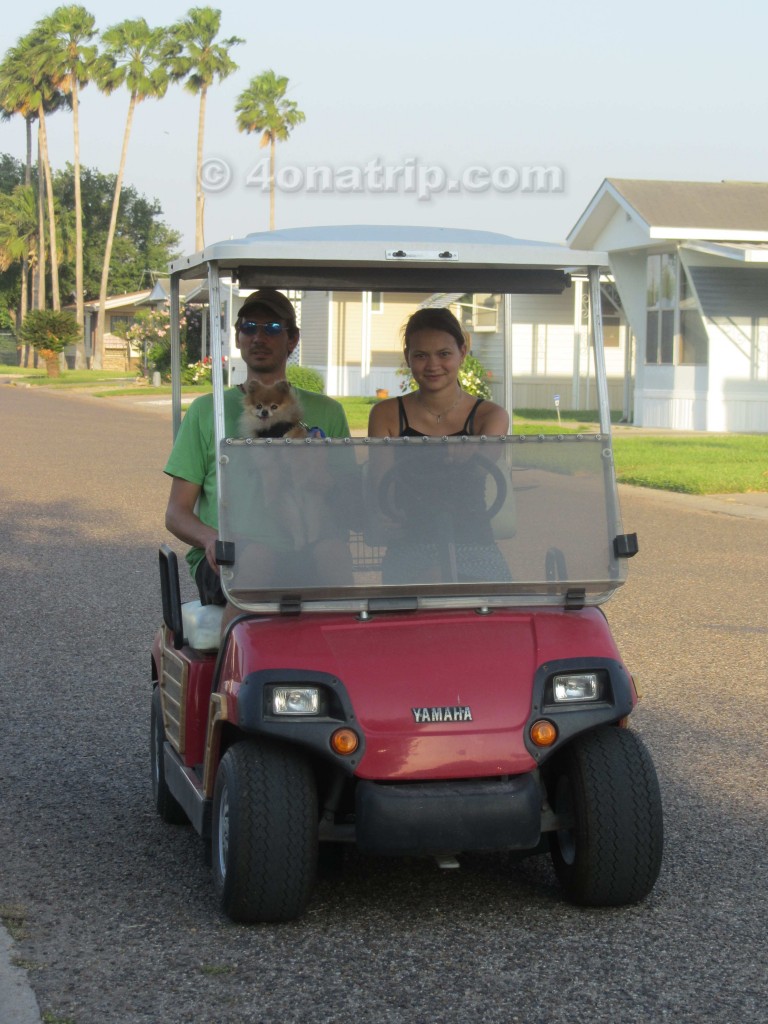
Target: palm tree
(262,107)
(25,86)
(15,101)
(202,61)
(69,59)
(18,237)
(136,56)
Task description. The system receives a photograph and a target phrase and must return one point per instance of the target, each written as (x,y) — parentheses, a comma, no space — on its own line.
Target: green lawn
(68,378)
(700,464)
(357,410)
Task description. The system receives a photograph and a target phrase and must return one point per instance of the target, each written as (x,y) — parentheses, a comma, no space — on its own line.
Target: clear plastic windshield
(434,521)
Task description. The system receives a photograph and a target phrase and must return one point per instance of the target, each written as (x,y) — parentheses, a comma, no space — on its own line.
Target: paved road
(113,914)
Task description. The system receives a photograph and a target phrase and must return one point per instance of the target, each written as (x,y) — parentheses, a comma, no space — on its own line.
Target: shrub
(306,378)
(197,373)
(50,331)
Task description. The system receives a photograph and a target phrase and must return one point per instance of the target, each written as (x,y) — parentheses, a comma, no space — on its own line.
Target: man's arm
(182,521)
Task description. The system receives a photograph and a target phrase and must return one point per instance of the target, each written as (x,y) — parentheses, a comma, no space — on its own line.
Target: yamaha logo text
(459,713)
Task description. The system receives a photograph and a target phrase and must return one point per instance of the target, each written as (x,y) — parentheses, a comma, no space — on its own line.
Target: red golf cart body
(420,664)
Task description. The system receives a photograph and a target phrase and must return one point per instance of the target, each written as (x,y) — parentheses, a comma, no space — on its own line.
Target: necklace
(439,416)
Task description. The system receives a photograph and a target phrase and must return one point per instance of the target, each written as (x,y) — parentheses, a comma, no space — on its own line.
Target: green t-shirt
(193,456)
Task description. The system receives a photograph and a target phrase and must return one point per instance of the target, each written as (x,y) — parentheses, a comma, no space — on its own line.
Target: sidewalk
(746,506)
(18,1004)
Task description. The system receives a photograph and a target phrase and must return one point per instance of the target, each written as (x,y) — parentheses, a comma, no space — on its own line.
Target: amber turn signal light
(344,741)
(543,733)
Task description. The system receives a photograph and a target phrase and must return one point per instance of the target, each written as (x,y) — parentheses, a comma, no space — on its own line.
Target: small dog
(271,410)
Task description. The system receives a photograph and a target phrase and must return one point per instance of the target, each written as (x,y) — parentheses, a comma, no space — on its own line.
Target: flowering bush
(152,334)
(474,378)
(197,373)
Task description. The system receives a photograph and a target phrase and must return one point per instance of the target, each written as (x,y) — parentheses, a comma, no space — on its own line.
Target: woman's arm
(383,419)
(491,420)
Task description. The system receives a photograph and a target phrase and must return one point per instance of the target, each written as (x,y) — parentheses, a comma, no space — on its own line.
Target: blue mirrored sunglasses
(271,330)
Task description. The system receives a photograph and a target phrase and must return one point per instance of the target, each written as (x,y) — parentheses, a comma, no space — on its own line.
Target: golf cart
(419,664)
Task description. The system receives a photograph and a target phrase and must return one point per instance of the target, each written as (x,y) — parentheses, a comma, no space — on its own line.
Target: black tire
(264,832)
(168,807)
(606,784)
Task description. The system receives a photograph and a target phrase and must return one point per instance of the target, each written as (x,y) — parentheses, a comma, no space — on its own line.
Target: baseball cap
(273,300)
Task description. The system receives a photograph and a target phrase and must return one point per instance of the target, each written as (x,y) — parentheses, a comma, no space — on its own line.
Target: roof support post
(175,355)
(603,401)
(217,375)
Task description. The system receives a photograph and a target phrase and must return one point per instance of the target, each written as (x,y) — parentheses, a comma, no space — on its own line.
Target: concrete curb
(752,505)
(18,1003)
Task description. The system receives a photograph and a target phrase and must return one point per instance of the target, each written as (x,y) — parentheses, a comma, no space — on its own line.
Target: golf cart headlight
(295,700)
(575,686)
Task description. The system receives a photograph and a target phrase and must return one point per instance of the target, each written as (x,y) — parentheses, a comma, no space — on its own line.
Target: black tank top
(466,431)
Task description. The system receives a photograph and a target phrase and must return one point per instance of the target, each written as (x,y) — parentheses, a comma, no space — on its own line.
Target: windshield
(434,521)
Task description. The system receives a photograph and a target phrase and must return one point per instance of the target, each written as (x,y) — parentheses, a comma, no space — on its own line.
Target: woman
(434,349)
(445,530)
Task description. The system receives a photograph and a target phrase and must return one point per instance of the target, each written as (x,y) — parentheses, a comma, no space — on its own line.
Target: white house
(690,264)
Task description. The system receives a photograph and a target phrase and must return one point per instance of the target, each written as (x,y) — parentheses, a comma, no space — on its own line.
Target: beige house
(354,340)
(120,312)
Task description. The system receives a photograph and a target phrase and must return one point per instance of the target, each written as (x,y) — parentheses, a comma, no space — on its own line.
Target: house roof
(678,210)
(732,206)
(118,301)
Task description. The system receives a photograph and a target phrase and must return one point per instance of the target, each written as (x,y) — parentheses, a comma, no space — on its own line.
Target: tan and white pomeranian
(271,410)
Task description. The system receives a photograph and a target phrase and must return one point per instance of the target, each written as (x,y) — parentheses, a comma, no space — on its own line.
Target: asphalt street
(111,912)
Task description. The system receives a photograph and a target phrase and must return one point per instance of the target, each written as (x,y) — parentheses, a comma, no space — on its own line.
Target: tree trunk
(98,341)
(38,280)
(79,304)
(51,215)
(271,183)
(28,165)
(200,195)
(52,367)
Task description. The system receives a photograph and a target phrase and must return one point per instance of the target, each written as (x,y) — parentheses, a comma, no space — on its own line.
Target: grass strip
(703,464)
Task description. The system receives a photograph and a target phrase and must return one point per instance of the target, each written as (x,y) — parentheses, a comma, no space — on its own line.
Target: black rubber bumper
(421,818)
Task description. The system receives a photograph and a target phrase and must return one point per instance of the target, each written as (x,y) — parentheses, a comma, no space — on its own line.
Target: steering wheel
(385,492)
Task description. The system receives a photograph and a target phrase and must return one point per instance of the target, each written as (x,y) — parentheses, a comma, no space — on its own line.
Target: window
(660,301)
(377,302)
(479,312)
(610,309)
(611,330)
(675,332)
(121,321)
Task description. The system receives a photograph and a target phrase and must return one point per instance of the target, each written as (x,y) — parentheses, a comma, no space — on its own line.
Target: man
(266,336)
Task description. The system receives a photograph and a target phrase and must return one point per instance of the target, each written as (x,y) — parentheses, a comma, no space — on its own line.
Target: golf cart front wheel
(264,832)
(604,789)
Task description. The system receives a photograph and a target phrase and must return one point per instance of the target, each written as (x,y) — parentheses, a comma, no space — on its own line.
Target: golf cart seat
(191,623)
(202,625)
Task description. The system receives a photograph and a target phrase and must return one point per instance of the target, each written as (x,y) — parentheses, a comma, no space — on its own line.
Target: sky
(501,117)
